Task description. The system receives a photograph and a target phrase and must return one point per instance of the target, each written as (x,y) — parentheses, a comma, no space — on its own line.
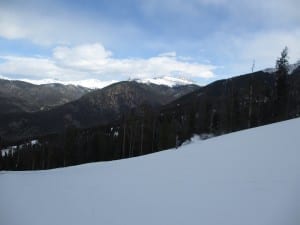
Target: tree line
(222,107)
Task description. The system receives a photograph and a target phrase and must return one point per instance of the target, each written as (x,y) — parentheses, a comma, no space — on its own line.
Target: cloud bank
(94,61)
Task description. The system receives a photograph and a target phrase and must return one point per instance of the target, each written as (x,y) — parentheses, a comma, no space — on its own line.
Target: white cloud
(10,29)
(94,61)
(49,23)
(87,57)
(34,67)
(266,47)
(236,52)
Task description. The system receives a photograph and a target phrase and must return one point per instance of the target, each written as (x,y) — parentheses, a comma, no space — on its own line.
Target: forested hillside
(221,107)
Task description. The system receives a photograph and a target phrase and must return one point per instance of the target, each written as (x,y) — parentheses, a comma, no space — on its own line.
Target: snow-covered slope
(98,84)
(166,80)
(88,83)
(245,178)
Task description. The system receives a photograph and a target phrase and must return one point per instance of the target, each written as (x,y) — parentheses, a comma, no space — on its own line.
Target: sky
(202,40)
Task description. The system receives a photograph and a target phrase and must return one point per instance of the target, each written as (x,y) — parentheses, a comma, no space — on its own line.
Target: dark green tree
(282,65)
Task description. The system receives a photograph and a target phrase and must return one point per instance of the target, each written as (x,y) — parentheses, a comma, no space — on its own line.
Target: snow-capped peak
(92,83)
(166,80)
(98,84)
(88,83)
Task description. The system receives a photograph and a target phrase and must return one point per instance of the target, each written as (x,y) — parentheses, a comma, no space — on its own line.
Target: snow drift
(244,178)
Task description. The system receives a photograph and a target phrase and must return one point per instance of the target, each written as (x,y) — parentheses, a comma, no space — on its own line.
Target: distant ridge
(98,84)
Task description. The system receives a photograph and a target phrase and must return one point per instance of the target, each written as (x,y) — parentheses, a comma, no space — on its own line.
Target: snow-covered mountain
(19,96)
(98,84)
(99,107)
(248,177)
(166,80)
(88,83)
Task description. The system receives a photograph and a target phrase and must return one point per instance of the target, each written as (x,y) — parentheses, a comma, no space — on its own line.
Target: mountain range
(19,96)
(75,105)
(133,118)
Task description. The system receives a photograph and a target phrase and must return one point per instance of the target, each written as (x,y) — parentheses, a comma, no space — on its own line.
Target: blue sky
(202,40)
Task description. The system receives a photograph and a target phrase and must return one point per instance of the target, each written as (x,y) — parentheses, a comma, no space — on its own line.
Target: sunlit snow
(244,178)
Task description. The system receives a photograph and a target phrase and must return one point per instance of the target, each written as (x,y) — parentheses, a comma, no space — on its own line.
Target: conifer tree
(281,84)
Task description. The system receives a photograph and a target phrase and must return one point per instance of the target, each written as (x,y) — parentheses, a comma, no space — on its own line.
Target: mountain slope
(249,177)
(98,84)
(233,104)
(19,96)
(88,83)
(95,108)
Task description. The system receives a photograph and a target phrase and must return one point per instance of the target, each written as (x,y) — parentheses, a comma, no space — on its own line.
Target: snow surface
(166,80)
(98,84)
(14,148)
(244,178)
(88,83)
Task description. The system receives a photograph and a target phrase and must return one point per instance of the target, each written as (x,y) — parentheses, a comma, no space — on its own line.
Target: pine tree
(281,84)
